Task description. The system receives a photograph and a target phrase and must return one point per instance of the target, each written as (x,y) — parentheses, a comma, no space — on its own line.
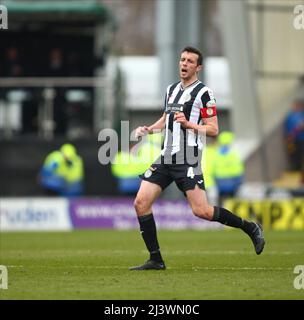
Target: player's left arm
(209,126)
(207,109)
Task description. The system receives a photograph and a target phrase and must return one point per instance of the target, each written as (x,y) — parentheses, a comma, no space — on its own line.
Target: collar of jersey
(188,86)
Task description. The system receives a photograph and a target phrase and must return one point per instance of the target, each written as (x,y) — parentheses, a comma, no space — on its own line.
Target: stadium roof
(89,10)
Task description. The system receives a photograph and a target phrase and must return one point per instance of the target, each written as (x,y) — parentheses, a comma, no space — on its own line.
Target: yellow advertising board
(273,214)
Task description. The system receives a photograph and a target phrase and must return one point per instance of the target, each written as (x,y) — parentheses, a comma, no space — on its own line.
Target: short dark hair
(196,51)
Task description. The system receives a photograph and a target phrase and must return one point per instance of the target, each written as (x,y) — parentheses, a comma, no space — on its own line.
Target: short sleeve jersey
(182,145)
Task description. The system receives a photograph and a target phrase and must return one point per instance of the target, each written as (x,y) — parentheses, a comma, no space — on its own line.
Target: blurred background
(69,69)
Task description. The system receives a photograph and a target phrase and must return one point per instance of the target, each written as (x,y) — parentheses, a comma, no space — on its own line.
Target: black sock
(227,218)
(148,232)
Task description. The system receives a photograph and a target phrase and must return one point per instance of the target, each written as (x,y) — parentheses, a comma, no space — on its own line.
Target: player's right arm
(158,126)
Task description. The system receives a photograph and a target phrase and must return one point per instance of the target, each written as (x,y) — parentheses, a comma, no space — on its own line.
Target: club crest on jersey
(148,173)
(187,97)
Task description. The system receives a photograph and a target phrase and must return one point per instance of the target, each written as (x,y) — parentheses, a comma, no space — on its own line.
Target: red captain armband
(208,112)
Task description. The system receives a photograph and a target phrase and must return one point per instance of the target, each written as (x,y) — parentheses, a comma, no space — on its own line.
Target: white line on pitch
(172,268)
(126,252)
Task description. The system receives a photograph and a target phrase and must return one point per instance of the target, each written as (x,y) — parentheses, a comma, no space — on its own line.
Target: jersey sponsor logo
(174,107)
(200,181)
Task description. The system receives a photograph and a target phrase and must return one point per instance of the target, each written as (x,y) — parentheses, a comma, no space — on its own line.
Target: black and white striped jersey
(181,145)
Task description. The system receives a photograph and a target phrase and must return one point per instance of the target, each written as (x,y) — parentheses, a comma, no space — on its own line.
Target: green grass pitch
(93,264)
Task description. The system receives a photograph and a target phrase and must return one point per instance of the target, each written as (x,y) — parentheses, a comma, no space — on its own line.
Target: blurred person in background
(56,66)
(189,114)
(13,66)
(208,165)
(148,151)
(228,168)
(62,172)
(294,134)
(125,170)
(127,166)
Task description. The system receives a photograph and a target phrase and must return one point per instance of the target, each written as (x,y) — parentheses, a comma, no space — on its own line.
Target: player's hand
(179,117)
(141,131)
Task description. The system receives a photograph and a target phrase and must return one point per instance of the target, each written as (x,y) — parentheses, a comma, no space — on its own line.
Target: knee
(141,205)
(202,213)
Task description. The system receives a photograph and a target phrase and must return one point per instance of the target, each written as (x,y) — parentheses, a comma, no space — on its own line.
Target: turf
(93,264)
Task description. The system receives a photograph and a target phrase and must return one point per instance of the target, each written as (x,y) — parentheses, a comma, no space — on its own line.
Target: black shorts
(183,175)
